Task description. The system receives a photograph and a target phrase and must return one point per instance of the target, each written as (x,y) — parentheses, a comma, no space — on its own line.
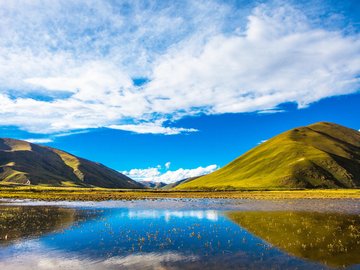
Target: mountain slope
(26,163)
(322,155)
(172,185)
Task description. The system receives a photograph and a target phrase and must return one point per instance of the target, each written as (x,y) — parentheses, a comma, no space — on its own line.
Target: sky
(165,90)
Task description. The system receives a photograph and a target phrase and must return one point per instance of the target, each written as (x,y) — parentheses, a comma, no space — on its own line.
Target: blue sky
(165,90)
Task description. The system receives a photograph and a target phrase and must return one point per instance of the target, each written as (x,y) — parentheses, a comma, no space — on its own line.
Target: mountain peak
(22,162)
(321,155)
(8,144)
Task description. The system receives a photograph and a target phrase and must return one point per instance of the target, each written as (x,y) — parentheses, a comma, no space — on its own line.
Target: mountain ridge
(22,162)
(321,155)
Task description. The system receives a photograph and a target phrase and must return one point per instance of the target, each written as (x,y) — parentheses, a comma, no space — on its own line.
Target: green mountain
(322,155)
(22,162)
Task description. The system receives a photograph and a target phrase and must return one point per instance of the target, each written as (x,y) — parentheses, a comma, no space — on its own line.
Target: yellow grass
(100,194)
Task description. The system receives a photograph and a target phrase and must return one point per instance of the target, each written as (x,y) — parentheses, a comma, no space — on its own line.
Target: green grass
(72,162)
(101,194)
(322,155)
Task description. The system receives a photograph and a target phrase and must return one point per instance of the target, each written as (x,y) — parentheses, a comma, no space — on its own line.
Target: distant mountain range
(151,184)
(175,184)
(22,162)
(321,155)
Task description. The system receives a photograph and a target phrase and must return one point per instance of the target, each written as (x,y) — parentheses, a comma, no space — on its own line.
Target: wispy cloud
(53,137)
(39,140)
(65,134)
(68,66)
(167,165)
(152,128)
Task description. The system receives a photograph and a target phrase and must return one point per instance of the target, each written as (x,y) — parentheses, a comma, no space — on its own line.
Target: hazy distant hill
(322,155)
(151,184)
(26,163)
(172,185)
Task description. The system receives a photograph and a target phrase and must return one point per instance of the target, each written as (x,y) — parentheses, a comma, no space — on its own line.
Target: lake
(180,234)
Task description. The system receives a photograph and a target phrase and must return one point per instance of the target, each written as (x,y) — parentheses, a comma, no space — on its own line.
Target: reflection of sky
(148,239)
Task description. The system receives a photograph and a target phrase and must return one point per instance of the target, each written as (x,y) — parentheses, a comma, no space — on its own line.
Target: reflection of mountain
(332,239)
(18,222)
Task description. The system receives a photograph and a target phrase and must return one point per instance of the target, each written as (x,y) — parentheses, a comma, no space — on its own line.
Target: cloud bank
(155,174)
(73,65)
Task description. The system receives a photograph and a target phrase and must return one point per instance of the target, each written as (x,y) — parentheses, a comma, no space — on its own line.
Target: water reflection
(18,222)
(168,215)
(332,239)
(95,238)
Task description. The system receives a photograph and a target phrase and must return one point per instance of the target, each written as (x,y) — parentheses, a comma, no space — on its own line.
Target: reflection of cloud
(209,214)
(144,261)
(199,214)
(58,260)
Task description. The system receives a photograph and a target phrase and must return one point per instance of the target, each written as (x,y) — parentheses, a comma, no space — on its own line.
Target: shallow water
(180,234)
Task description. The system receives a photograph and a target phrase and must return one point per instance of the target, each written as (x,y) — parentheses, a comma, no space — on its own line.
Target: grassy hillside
(30,164)
(322,155)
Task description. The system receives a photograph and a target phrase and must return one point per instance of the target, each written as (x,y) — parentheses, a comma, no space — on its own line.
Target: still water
(180,234)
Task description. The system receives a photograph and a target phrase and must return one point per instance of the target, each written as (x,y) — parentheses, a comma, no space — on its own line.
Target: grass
(323,155)
(101,194)
(71,161)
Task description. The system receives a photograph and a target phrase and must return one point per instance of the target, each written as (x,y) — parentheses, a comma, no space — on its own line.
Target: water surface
(180,234)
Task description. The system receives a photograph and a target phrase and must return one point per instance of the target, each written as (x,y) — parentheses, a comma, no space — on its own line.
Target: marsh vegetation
(102,194)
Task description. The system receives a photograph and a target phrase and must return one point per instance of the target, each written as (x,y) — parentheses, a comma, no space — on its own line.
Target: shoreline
(99,194)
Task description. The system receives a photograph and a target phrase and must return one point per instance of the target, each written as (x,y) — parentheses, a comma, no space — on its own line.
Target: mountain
(151,184)
(321,155)
(22,162)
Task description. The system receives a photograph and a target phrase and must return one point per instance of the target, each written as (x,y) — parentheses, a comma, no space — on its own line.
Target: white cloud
(155,174)
(54,136)
(65,134)
(67,66)
(39,140)
(167,165)
(152,128)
